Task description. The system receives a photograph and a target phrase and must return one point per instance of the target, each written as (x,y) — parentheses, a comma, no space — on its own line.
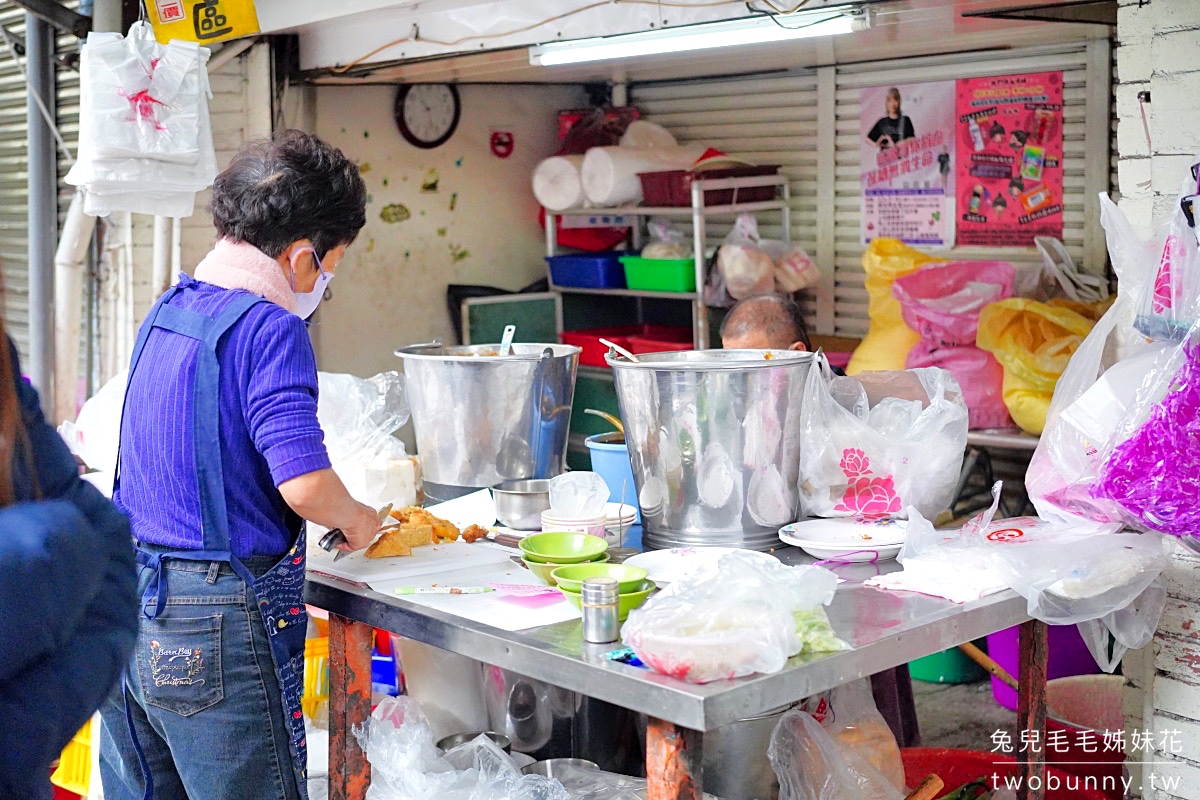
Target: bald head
(765,322)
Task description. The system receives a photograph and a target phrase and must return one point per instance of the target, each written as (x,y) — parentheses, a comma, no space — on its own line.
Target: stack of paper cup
(593,526)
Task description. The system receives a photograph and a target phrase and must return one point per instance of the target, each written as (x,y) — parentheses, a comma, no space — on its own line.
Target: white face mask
(307,302)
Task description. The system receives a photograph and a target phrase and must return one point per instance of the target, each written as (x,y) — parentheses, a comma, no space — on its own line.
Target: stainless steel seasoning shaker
(599,603)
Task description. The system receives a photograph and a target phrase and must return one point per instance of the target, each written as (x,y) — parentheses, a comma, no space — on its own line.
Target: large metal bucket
(481,418)
(714,439)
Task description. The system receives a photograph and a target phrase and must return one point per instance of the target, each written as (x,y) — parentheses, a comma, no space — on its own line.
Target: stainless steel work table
(885,629)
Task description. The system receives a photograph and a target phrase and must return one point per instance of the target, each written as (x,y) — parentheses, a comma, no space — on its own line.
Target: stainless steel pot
(519,504)
(736,766)
(714,440)
(482,418)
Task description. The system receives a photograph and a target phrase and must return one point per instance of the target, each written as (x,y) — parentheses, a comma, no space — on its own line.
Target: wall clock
(427,113)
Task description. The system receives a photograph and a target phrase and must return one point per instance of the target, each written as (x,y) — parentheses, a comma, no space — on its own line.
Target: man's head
(765,322)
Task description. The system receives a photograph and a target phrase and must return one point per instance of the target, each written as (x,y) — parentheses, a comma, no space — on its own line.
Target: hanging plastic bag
(1057,277)
(1033,342)
(1170,304)
(873,461)
(849,715)
(666,241)
(739,615)
(1128,628)
(1111,368)
(794,269)
(888,339)
(942,303)
(746,268)
(156,161)
(810,765)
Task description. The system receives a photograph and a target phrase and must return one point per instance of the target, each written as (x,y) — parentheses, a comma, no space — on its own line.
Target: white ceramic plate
(668,566)
(846,539)
(616,512)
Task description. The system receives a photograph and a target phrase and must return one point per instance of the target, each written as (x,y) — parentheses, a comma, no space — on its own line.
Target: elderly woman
(221,461)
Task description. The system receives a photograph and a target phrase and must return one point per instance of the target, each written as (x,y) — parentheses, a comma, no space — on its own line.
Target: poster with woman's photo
(906,153)
(1009,169)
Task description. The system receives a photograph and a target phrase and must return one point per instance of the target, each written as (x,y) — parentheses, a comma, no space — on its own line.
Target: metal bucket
(736,766)
(481,418)
(714,440)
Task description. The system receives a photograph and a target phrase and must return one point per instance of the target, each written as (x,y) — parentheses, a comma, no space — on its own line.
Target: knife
(333,538)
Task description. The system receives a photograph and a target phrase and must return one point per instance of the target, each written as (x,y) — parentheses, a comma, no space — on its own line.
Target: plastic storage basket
(660,338)
(660,274)
(588,271)
(674,187)
(316,675)
(589,340)
(74,771)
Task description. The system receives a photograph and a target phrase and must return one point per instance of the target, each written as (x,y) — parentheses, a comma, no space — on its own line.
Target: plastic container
(948,666)
(1083,708)
(316,676)
(660,274)
(659,339)
(593,526)
(74,770)
(588,271)
(674,187)
(958,767)
(610,460)
(1068,656)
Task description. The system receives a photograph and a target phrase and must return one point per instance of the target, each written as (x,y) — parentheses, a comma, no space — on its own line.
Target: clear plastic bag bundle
(794,268)
(811,765)
(1170,304)
(735,617)
(849,715)
(145,139)
(745,266)
(874,460)
(666,241)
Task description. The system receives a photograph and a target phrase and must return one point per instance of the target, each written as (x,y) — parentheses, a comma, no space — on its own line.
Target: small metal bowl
(553,767)
(454,740)
(519,504)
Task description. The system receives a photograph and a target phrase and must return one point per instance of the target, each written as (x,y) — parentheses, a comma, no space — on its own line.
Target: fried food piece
(474,533)
(386,547)
(443,531)
(400,540)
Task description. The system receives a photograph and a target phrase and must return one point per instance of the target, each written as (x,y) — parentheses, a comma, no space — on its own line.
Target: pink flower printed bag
(872,451)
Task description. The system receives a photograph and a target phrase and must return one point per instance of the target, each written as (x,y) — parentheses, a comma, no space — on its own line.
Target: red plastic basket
(959,767)
(674,187)
(659,338)
(589,339)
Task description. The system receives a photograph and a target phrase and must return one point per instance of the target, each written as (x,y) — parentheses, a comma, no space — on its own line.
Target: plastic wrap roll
(610,174)
(556,183)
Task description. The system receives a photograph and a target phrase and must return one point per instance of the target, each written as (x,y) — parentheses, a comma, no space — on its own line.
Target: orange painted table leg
(349,705)
(1031,710)
(673,762)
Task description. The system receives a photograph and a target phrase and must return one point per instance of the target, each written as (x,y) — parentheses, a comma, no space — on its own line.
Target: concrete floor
(961,716)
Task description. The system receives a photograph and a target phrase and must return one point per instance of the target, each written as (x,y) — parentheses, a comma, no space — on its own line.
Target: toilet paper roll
(610,174)
(556,183)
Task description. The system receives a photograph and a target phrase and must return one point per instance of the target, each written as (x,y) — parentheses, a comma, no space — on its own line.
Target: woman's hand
(321,497)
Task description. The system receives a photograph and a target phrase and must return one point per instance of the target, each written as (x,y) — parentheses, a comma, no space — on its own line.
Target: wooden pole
(1031,711)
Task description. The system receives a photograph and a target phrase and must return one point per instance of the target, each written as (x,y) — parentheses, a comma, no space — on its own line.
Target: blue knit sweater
(269,429)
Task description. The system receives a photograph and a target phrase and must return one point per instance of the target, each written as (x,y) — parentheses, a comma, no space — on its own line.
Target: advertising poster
(906,155)
(1009,167)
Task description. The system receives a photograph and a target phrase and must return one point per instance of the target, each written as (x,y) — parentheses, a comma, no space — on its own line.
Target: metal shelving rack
(699,213)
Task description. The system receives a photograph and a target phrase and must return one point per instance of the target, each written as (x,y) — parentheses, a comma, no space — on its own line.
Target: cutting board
(425,560)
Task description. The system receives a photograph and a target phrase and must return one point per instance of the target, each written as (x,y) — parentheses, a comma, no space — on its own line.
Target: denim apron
(279,591)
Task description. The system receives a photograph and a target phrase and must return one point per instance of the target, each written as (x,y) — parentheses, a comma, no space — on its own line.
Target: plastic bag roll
(556,183)
(646,135)
(610,174)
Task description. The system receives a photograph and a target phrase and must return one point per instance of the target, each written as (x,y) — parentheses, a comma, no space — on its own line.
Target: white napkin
(955,581)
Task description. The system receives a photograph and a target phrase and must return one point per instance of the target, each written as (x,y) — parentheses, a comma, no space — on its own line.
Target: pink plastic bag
(942,303)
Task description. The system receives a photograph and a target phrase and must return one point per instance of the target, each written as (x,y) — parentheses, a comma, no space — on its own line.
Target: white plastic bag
(405,764)
(155,159)
(810,765)
(874,461)
(1170,304)
(849,715)
(96,432)
(794,269)
(737,616)
(359,417)
(745,266)
(666,241)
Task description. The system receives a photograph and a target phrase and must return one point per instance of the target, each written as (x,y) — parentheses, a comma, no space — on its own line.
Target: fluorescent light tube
(755,30)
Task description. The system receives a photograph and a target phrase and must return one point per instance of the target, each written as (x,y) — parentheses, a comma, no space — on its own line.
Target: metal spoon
(506,339)
(607,417)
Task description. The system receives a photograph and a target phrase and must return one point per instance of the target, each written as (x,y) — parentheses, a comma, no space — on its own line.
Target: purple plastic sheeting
(1155,474)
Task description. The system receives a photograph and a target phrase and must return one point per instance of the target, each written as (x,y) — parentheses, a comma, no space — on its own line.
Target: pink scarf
(237,265)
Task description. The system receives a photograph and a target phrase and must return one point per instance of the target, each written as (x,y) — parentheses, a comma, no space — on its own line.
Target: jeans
(204,696)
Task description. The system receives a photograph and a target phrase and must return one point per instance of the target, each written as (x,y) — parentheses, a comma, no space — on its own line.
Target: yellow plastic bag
(1033,342)
(888,340)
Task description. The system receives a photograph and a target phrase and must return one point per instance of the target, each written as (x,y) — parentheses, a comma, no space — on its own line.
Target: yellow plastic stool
(316,675)
(75,764)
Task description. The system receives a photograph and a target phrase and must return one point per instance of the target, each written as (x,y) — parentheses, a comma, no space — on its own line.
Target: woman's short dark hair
(289,187)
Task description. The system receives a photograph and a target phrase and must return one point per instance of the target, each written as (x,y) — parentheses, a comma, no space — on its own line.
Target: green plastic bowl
(563,548)
(571,577)
(545,572)
(559,563)
(625,602)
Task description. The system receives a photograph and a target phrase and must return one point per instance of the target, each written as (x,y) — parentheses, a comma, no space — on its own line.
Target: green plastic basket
(660,274)
(948,666)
